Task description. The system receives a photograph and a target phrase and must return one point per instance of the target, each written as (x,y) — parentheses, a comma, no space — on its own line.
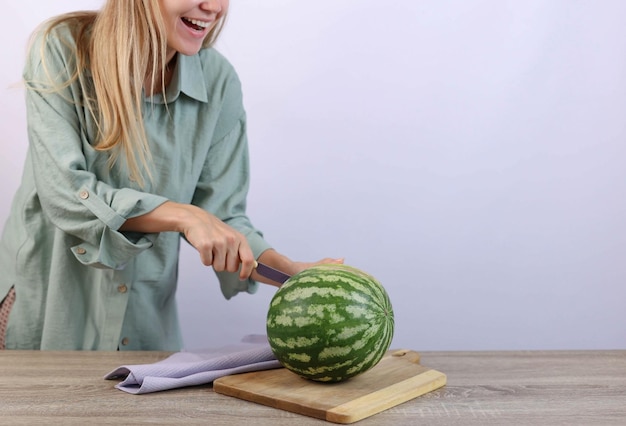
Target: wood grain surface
(484,388)
(397,378)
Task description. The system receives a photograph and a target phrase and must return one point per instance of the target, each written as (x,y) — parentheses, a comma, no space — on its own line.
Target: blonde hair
(121,45)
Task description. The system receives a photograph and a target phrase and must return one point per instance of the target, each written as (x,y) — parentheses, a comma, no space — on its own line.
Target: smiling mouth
(195,24)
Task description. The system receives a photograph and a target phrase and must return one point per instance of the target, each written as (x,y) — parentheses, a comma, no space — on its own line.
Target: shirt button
(125,341)
(84,194)
(81,250)
(122,288)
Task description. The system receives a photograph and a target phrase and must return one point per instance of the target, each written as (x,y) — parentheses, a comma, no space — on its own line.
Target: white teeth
(202,24)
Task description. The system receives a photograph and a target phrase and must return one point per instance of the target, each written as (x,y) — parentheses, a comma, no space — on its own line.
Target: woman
(137,136)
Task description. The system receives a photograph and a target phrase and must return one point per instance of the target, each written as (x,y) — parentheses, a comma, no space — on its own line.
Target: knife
(271,273)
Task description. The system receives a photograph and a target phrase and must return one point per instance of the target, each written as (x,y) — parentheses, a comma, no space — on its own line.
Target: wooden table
(484,388)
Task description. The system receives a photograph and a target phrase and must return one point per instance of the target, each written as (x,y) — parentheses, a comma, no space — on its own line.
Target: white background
(470,154)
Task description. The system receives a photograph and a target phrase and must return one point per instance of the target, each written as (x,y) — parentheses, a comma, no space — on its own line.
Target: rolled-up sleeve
(114,248)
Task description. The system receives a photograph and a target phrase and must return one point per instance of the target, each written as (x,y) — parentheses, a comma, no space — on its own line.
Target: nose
(213,6)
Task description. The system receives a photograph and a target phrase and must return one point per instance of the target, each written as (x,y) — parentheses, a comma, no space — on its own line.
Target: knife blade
(271,273)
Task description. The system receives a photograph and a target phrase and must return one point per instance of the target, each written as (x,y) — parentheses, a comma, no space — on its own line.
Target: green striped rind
(330,322)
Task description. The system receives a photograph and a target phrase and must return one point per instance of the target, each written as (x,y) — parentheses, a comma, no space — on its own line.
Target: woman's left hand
(301,266)
(278,261)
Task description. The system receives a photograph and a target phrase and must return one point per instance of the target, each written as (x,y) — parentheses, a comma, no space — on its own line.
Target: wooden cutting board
(397,378)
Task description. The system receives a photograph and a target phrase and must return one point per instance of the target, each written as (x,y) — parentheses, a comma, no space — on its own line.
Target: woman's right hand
(218,244)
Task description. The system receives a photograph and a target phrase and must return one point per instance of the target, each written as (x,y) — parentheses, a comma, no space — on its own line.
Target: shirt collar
(190,77)
(187,79)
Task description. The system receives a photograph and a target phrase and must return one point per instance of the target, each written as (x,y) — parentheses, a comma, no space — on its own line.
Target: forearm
(276,260)
(218,244)
(168,217)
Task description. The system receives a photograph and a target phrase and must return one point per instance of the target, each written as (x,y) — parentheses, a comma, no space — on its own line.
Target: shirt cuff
(103,256)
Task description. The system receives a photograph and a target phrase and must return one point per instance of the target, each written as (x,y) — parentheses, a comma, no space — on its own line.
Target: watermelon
(330,322)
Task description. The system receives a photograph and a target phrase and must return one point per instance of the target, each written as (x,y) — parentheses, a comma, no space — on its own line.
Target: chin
(189,50)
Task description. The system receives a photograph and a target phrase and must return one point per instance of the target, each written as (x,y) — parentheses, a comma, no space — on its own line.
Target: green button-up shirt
(81,283)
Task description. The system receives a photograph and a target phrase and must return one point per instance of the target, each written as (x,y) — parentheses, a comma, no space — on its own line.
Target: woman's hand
(218,244)
(301,266)
(276,260)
